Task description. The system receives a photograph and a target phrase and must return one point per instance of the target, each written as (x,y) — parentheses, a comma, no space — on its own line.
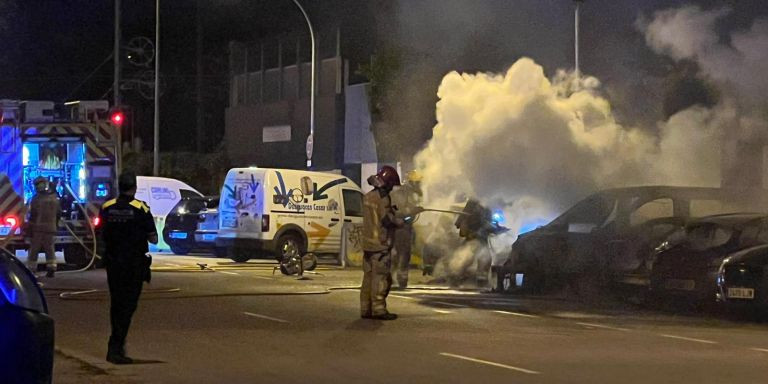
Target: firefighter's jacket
(378,222)
(44,212)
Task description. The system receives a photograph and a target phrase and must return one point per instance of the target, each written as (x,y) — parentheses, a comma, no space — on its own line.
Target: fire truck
(76,147)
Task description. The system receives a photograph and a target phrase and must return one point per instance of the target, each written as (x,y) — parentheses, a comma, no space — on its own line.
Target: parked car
(162,194)
(603,237)
(26,330)
(687,264)
(741,280)
(190,216)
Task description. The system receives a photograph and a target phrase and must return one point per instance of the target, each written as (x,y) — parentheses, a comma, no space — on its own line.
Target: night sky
(50,47)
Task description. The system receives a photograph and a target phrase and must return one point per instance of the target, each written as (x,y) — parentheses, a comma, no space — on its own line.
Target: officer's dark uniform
(127,225)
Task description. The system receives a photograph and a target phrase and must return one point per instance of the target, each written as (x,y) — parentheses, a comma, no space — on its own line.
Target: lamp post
(156,152)
(311,137)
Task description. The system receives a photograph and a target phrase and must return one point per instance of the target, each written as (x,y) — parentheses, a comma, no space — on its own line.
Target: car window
(186,193)
(353,203)
(593,211)
(701,208)
(703,237)
(655,209)
(18,287)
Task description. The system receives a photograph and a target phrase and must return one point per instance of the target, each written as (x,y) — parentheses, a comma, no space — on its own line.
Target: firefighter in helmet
(379,224)
(406,201)
(44,212)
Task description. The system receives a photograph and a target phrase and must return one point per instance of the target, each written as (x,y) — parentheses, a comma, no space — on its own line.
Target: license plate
(5,231)
(178,235)
(741,293)
(685,285)
(209,237)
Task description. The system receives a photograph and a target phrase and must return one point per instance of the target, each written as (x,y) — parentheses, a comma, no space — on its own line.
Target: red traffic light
(117,118)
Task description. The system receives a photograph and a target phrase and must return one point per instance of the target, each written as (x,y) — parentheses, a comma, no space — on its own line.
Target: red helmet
(389,176)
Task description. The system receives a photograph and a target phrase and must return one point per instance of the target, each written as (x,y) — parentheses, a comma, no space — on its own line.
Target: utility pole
(156,152)
(199,87)
(576,36)
(313,88)
(116,58)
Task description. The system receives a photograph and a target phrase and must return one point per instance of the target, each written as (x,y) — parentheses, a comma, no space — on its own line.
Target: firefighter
(126,229)
(44,212)
(405,201)
(379,223)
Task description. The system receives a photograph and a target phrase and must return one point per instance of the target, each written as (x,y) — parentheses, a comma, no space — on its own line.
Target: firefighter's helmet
(41,184)
(388,176)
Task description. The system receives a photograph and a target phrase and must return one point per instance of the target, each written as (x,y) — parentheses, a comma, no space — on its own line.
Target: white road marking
(760,349)
(603,326)
(518,369)
(403,297)
(265,317)
(689,339)
(517,314)
(442,311)
(451,304)
(261,277)
(229,273)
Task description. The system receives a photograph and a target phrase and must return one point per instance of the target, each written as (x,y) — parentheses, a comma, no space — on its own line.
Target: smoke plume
(532,145)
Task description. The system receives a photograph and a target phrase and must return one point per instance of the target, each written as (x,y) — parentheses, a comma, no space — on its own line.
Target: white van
(162,194)
(281,212)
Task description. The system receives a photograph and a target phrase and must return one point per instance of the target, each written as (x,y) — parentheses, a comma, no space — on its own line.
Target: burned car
(604,237)
(742,282)
(687,264)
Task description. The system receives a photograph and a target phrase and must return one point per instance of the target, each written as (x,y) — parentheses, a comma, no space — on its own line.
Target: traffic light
(117,117)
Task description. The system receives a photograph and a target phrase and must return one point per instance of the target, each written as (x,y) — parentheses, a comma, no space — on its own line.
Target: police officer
(44,212)
(405,201)
(379,223)
(126,229)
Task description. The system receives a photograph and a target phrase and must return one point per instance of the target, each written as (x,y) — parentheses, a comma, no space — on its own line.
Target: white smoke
(531,146)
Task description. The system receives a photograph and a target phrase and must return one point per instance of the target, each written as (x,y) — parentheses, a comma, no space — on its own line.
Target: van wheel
(240,255)
(288,246)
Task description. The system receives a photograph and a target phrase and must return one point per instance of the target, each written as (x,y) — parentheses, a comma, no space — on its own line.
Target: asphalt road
(236,325)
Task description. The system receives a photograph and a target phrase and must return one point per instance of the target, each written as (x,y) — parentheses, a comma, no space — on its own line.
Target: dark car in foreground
(687,264)
(742,280)
(26,330)
(602,238)
(192,224)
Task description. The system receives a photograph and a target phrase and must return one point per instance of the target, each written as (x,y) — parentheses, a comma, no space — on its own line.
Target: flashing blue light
(498,217)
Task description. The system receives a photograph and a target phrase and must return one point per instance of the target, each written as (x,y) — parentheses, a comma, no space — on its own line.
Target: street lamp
(311,137)
(156,151)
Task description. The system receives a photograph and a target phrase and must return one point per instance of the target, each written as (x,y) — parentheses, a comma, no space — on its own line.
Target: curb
(100,366)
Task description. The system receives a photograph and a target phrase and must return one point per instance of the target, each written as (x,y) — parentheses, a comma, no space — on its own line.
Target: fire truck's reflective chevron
(11,204)
(11,156)
(94,134)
